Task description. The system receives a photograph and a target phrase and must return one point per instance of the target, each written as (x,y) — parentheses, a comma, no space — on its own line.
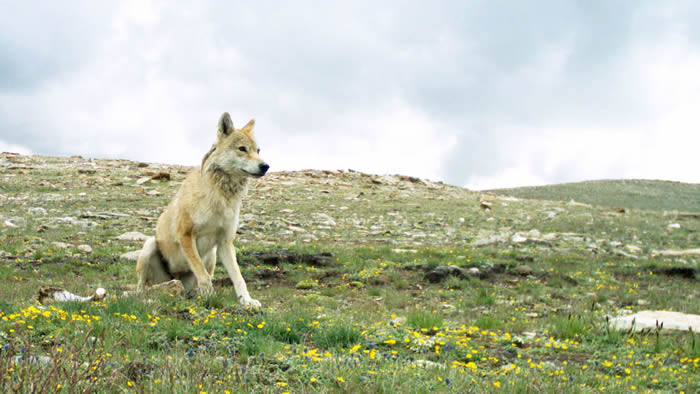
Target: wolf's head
(235,151)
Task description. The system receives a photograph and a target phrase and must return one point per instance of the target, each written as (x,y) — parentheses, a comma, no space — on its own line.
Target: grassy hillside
(368,284)
(631,193)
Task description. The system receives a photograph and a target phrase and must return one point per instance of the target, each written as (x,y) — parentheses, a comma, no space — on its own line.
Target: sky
(480,94)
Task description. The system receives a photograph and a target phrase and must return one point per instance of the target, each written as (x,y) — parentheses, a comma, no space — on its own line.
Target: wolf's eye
(258,150)
(243,149)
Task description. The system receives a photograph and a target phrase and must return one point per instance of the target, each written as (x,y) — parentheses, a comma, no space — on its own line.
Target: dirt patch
(690,273)
(264,274)
(323,259)
(268,274)
(494,273)
(683,272)
(558,280)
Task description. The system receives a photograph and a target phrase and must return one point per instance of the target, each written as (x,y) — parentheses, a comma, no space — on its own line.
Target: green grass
(424,320)
(628,193)
(336,336)
(484,296)
(570,327)
(372,322)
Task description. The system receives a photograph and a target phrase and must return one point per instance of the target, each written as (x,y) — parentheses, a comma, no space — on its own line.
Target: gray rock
(633,248)
(550,236)
(475,272)
(442,272)
(131,256)
(490,239)
(37,211)
(70,221)
(534,233)
(18,220)
(625,254)
(518,238)
(324,219)
(523,270)
(41,360)
(404,250)
(675,253)
(649,319)
(529,334)
(133,236)
(85,248)
(61,245)
(427,364)
(578,204)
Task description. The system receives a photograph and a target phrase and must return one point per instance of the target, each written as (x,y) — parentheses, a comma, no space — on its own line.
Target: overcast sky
(481,94)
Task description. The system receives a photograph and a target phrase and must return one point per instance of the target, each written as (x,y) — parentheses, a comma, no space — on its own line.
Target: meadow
(368,284)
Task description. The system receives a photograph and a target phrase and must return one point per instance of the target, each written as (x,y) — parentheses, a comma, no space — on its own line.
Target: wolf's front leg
(227,254)
(189,248)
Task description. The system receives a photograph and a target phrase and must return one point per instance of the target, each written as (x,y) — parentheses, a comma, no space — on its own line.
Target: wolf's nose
(263,167)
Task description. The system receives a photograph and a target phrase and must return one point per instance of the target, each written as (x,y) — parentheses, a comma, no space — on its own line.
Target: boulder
(649,320)
(85,248)
(442,272)
(676,253)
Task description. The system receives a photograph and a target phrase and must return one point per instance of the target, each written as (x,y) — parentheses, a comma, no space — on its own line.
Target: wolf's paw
(247,301)
(205,289)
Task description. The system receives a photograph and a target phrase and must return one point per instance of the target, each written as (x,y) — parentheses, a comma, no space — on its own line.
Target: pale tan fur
(200,222)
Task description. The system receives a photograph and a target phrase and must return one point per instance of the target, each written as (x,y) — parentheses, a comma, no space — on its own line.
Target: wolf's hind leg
(189,282)
(149,267)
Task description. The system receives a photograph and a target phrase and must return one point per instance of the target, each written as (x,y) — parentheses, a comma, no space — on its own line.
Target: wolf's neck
(230,186)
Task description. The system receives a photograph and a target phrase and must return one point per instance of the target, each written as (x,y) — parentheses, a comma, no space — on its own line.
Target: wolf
(201,220)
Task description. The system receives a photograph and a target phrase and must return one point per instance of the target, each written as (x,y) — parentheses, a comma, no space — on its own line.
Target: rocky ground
(42,194)
(393,259)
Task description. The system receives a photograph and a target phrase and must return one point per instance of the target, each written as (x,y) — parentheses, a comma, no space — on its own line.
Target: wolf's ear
(248,128)
(225,126)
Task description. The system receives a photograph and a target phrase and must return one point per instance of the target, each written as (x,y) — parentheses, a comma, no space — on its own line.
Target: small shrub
(214,301)
(455,283)
(569,327)
(488,323)
(130,305)
(401,284)
(336,336)
(422,319)
(307,284)
(484,298)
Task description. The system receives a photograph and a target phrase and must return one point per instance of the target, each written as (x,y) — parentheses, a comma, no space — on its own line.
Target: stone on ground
(133,236)
(131,256)
(648,319)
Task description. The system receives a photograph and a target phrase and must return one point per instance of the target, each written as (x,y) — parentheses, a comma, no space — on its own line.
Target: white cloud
(5,147)
(478,95)
(391,140)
